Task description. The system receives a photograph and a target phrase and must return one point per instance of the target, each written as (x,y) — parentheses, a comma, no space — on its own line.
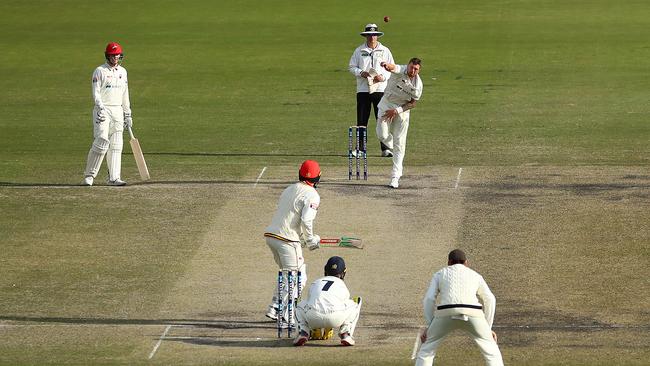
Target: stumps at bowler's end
(358,137)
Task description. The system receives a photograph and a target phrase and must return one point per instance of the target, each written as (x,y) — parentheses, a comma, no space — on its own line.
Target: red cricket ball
(386,19)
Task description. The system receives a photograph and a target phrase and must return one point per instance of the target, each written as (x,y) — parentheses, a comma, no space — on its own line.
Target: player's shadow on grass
(198,323)
(241,154)
(214,341)
(140,183)
(344,183)
(37,185)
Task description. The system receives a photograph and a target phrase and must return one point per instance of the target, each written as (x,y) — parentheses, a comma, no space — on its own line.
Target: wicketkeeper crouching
(329,306)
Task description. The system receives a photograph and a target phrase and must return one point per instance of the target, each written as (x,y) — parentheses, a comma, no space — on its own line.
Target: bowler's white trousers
(393,134)
(477,327)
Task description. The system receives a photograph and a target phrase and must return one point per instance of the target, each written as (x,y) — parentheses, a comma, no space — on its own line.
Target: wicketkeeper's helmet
(113,49)
(335,266)
(309,172)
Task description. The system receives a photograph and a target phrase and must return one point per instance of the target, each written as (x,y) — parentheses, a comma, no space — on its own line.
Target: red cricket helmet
(309,172)
(113,49)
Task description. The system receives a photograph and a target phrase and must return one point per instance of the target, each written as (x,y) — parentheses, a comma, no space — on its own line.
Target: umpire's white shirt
(459,285)
(364,58)
(110,87)
(295,215)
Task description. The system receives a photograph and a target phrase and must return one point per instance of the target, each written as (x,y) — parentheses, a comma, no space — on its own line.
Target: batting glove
(128,121)
(101,115)
(314,243)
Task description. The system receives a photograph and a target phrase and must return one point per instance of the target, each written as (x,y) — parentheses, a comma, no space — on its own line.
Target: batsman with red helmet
(293,224)
(111,114)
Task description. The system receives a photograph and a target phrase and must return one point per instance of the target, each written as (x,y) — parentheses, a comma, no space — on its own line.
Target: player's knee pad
(100,145)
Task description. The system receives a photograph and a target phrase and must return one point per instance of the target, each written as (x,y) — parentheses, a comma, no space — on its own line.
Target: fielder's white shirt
(364,58)
(458,284)
(401,88)
(110,87)
(328,294)
(296,212)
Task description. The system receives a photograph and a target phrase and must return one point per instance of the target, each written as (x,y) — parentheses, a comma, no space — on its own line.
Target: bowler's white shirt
(328,294)
(401,88)
(297,209)
(364,58)
(110,87)
(458,284)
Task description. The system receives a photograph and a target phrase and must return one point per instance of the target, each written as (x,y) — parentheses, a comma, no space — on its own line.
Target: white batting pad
(114,157)
(95,157)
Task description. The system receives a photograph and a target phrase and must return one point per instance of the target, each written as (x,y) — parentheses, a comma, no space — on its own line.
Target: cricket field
(530,150)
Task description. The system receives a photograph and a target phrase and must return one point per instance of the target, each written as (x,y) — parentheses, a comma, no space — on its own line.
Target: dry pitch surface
(565,250)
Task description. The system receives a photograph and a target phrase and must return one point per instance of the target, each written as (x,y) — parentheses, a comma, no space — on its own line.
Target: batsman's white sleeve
(488,299)
(429,301)
(308,214)
(126,102)
(97,88)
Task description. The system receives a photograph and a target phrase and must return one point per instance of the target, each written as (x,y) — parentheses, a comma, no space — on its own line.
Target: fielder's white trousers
(288,256)
(345,320)
(393,134)
(477,327)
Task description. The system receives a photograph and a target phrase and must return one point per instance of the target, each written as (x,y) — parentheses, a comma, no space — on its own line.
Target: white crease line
(259,177)
(155,348)
(460,171)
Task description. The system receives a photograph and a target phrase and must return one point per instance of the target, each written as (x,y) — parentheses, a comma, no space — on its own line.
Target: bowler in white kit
(452,302)
(328,306)
(111,114)
(292,225)
(402,93)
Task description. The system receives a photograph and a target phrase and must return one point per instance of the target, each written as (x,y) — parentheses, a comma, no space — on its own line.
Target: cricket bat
(345,241)
(139,157)
(418,343)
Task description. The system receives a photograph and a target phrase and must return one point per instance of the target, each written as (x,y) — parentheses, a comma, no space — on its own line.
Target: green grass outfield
(221,89)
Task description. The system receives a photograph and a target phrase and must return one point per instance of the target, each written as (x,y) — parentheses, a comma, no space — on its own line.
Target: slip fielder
(452,302)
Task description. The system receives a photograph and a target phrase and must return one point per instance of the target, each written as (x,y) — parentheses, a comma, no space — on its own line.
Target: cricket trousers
(366,102)
(345,320)
(107,140)
(288,256)
(393,134)
(477,327)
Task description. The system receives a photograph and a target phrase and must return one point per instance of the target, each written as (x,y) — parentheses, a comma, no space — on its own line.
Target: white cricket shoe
(387,153)
(394,182)
(347,340)
(88,181)
(272,313)
(116,182)
(354,153)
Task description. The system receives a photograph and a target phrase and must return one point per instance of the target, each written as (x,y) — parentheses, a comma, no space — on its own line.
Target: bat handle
(131,133)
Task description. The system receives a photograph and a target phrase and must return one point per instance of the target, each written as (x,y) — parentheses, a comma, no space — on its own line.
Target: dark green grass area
(506,83)
(220,89)
(98,254)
